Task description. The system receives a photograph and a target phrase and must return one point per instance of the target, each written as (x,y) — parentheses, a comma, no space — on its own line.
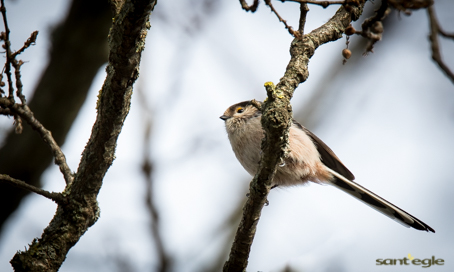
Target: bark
(276,118)
(80,210)
(79,48)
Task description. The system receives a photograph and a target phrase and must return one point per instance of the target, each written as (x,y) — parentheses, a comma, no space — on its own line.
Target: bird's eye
(239,110)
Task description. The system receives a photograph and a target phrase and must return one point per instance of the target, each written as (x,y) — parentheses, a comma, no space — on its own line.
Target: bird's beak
(224,117)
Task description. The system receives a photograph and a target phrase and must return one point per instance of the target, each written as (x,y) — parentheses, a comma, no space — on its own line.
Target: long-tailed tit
(309,159)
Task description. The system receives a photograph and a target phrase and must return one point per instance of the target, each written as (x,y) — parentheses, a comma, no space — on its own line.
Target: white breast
(246,141)
(302,164)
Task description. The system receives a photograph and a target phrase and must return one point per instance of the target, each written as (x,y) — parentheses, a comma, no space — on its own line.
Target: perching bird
(309,159)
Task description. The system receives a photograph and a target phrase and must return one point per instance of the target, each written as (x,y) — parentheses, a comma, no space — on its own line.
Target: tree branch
(289,28)
(7,46)
(251,8)
(22,110)
(57,197)
(164,259)
(324,4)
(372,28)
(304,9)
(46,135)
(276,118)
(147,169)
(25,113)
(60,92)
(71,221)
(435,30)
(445,34)
(30,41)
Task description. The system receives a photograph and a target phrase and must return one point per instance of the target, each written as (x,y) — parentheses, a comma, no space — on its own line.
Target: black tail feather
(378,203)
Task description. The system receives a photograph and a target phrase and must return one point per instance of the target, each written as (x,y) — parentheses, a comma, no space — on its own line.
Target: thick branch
(58,96)
(276,118)
(71,221)
(127,41)
(302,51)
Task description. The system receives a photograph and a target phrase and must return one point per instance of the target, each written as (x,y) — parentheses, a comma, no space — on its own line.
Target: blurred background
(389,116)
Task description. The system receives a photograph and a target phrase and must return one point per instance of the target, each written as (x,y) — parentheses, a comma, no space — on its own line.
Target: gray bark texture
(276,118)
(79,48)
(80,209)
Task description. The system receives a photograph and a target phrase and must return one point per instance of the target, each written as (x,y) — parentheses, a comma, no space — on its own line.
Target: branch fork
(276,120)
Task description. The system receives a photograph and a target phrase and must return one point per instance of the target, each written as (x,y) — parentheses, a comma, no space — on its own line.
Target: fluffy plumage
(310,159)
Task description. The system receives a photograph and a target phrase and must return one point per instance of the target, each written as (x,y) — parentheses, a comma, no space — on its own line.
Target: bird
(309,160)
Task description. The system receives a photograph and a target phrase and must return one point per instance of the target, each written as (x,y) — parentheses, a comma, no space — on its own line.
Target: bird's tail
(377,202)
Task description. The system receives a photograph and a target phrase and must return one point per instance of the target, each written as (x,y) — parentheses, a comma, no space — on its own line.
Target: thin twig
(22,111)
(324,4)
(147,169)
(126,41)
(25,113)
(7,47)
(17,64)
(304,9)
(292,32)
(164,259)
(251,8)
(30,41)
(10,57)
(445,34)
(434,32)
(407,6)
(60,158)
(378,16)
(369,29)
(56,197)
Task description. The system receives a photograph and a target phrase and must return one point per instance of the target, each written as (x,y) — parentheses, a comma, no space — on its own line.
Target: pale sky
(391,121)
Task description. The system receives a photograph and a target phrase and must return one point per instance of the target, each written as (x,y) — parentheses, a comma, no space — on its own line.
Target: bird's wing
(327,155)
(377,202)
